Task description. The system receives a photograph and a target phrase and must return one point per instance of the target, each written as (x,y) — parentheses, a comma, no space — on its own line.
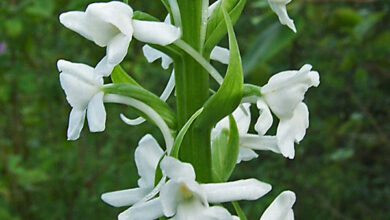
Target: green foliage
(229,95)
(341,170)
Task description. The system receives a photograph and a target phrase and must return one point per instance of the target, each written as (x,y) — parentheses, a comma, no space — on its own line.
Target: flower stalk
(192,88)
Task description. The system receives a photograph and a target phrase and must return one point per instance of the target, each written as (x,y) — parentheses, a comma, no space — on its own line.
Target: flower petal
(257,142)
(250,189)
(152,55)
(125,197)
(77,21)
(116,13)
(175,169)
(149,210)
(216,213)
(96,113)
(279,7)
(285,90)
(265,120)
(104,68)
(292,130)
(79,83)
(117,48)
(170,197)
(90,27)
(76,123)
(220,54)
(147,156)
(190,210)
(155,32)
(176,193)
(246,154)
(281,207)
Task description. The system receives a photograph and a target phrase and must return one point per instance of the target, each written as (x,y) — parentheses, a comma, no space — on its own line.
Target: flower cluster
(169,186)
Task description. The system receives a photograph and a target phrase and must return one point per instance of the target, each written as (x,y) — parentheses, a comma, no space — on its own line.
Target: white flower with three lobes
(183,198)
(279,7)
(111,25)
(83,89)
(147,155)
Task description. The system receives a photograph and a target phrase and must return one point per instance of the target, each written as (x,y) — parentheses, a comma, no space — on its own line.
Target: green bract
(224,150)
(229,95)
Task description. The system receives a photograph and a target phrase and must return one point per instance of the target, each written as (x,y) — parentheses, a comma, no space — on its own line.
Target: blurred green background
(341,169)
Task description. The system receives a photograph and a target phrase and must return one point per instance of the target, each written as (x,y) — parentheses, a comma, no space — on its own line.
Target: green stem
(192,88)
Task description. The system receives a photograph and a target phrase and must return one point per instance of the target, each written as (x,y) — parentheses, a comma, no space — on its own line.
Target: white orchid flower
(183,198)
(147,156)
(84,93)
(111,25)
(281,207)
(279,7)
(284,94)
(285,90)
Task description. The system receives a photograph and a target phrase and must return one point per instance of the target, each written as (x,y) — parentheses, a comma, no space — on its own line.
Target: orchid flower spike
(147,156)
(281,207)
(84,93)
(111,25)
(183,198)
(279,7)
